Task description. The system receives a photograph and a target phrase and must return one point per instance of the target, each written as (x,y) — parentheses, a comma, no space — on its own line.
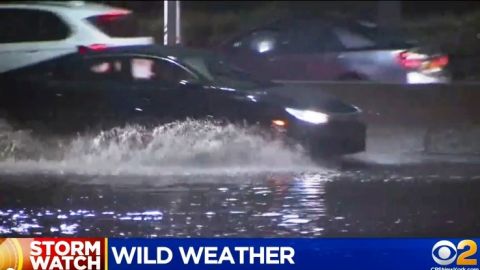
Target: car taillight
(439,62)
(92,48)
(410,60)
(112,15)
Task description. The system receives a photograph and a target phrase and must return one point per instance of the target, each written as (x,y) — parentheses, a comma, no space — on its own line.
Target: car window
(104,68)
(25,25)
(352,40)
(164,71)
(220,72)
(296,39)
(93,69)
(394,38)
(260,41)
(309,39)
(70,68)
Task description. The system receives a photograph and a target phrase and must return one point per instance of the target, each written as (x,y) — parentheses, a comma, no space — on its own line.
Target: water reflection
(325,203)
(278,203)
(26,222)
(303,214)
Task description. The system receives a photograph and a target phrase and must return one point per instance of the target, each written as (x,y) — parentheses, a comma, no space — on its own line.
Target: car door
(26,98)
(258,52)
(29,36)
(316,51)
(90,92)
(161,90)
(297,52)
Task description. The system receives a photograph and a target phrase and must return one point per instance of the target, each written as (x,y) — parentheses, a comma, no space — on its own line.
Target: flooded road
(193,179)
(436,200)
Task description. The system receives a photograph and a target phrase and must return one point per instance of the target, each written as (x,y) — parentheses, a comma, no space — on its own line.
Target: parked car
(153,84)
(31,32)
(318,49)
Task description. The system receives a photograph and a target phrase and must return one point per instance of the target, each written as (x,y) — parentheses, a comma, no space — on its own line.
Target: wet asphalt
(343,200)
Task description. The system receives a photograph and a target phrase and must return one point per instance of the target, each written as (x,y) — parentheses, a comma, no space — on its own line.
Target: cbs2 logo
(445,252)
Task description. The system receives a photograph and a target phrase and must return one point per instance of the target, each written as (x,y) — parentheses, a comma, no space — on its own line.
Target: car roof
(154,50)
(56,4)
(65,7)
(293,21)
(142,50)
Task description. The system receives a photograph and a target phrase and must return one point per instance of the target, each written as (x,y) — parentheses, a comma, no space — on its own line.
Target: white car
(31,32)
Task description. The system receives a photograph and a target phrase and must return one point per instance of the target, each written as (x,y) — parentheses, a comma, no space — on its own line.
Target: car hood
(301,97)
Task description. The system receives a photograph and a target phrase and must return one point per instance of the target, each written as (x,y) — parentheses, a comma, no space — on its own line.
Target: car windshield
(220,72)
(394,38)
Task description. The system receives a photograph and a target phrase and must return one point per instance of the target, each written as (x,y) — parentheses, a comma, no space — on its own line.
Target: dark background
(365,8)
(451,26)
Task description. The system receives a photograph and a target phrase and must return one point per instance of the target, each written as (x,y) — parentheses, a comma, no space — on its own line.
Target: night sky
(408,6)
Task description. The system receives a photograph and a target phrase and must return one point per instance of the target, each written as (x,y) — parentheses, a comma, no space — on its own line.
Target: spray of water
(187,147)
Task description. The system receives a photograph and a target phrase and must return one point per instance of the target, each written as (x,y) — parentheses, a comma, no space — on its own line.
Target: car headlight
(308,116)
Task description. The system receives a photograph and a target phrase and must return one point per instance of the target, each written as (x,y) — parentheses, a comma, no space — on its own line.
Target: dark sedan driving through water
(154,84)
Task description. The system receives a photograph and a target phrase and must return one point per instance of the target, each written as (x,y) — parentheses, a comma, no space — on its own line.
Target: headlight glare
(308,116)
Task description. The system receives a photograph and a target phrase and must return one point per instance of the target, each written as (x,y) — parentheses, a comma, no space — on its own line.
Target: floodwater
(195,179)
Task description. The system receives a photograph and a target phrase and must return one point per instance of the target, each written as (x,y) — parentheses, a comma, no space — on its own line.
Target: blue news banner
(293,253)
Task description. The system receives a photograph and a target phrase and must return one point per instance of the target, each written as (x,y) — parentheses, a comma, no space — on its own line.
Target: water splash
(187,147)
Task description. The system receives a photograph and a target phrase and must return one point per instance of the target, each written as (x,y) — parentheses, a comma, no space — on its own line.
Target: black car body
(152,84)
